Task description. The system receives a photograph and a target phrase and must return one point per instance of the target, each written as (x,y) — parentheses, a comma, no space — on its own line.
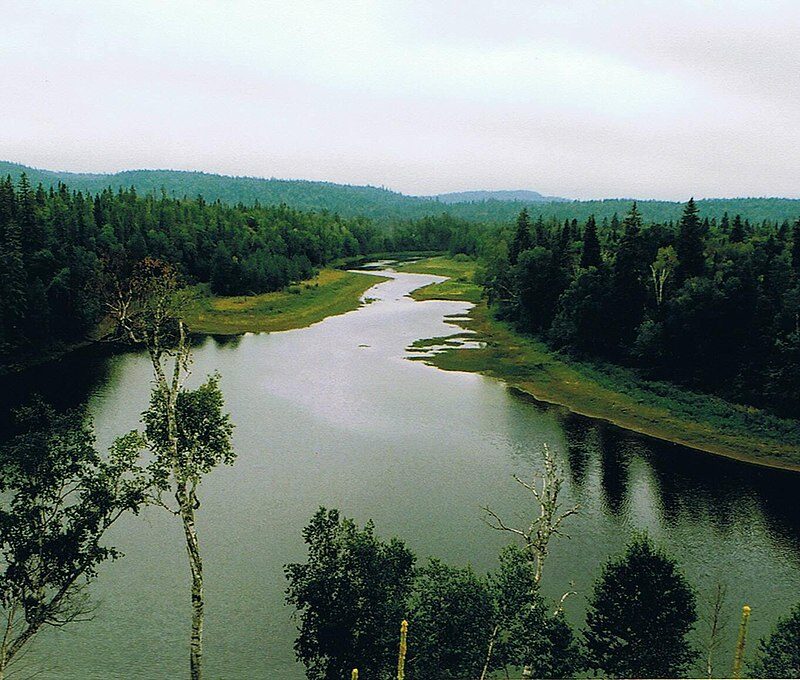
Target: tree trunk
(488,653)
(186,503)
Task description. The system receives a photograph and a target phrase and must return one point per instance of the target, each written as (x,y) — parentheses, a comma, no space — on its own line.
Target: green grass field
(612,393)
(459,286)
(332,292)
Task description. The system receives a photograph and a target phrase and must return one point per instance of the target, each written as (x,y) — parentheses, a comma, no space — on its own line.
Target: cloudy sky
(660,99)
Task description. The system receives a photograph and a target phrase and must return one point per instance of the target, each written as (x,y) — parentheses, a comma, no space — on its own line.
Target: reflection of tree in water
(65,383)
(581,435)
(695,487)
(615,461)
(221,341)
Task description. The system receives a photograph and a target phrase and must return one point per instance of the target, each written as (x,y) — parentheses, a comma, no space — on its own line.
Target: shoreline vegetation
(614,394)
(330,293)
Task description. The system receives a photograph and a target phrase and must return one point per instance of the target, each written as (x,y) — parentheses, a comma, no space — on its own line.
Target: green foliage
(451,619)
(639,616)
(384,205)
(528,634)
(591,255)
(779,653)
(56,244)
(695,303)
(351,596)
(690,243)
(58,497)
(204,433)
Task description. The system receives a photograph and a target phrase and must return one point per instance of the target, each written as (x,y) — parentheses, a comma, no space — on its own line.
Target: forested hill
(383,205)
(521,196)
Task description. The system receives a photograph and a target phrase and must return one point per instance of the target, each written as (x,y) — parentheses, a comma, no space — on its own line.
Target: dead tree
(715,625)
(546,522)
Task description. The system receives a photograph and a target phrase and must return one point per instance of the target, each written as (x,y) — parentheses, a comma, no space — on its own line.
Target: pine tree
(796,249)
(522,238)
(737,230)
(13,287)
(690,245)
(30,228)
(628,288)
(591,256)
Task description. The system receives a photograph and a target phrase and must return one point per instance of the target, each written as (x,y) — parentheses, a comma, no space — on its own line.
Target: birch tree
(660,271)
(186,430)
(58,497)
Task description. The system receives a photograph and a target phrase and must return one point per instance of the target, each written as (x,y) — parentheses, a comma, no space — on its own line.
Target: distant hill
(519,196)
(385,206)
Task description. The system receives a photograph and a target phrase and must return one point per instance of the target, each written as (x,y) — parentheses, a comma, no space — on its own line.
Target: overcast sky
(660,99)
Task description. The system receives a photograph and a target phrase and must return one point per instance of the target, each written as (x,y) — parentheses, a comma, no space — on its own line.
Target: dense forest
(55,242)
(53,245)
(710,304)
(386,207)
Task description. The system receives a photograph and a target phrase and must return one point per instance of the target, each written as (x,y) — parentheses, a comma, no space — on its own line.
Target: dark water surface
(337,415)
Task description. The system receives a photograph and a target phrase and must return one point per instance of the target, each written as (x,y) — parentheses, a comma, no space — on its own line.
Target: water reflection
(337,414)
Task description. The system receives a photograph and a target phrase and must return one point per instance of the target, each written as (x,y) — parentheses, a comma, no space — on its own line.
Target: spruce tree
(796,249)
(690,245)
(13,288)
(590,255)
(628,288)
(522,237)
(737,230)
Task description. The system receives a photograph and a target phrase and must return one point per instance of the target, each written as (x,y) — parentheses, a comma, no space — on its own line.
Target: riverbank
(331,292)
(611,393)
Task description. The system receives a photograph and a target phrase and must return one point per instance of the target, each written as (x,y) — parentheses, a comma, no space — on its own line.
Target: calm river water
(337,415)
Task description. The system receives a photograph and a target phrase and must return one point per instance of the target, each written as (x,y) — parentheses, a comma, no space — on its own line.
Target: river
(337,415)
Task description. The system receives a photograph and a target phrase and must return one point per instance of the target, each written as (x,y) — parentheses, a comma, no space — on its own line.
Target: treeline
(355,589)
(55,242)
(381,205)
(712,305)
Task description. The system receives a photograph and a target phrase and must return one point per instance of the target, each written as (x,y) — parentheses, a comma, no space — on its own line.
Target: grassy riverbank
(612,393)
(330,293)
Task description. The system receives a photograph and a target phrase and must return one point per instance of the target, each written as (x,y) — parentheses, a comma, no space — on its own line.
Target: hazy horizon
(389,188)
(662,101)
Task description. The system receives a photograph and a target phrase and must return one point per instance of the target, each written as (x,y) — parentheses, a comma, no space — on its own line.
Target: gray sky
(659,99)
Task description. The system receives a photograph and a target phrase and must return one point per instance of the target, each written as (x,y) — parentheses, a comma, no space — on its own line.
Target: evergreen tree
(590,255)
(522,240)
(639,616)
(737,230)
(31,233)
(13,288)
(628,288)
(690,245)
(796,249)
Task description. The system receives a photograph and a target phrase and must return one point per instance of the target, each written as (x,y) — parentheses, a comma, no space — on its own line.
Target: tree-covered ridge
(385,206)
(54,244)
(714,305)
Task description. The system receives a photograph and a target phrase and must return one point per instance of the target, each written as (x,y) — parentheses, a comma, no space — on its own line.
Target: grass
(331,292)
(459,285)
(603,391)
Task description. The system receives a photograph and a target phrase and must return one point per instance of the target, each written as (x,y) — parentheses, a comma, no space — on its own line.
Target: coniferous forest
(713,305)
(54,243)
